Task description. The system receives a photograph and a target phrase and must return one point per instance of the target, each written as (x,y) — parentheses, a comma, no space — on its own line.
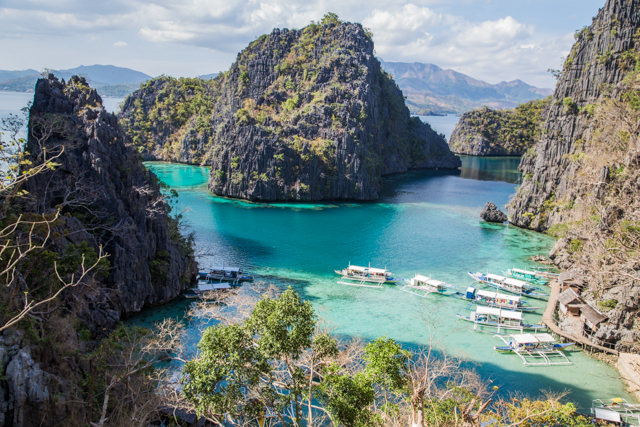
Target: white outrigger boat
(203,288)
(422,286)
(495,299)
(535,349)
(530,276)
(616,410)
(508,284)
(362,276)
(225,274)
(495,317)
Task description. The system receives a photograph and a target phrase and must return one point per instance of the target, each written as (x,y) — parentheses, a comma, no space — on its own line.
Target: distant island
(109,80)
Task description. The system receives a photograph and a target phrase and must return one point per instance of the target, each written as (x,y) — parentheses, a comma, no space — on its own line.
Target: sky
(491,40)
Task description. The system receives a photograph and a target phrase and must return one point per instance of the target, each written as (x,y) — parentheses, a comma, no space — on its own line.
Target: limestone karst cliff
(581,181)
(105,198)
(301,115)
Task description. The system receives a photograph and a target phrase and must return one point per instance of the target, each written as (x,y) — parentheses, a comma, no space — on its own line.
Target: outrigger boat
(203,288)
(498,318)
(508,284)
(422,286)
(528,275)
(365,275)
(225,274)
(535,349)
(616,410)
(495,299)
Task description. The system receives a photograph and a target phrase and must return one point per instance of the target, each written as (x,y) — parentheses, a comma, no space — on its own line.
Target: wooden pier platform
(547,319)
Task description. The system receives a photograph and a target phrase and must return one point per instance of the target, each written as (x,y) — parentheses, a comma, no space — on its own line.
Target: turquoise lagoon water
(426,222)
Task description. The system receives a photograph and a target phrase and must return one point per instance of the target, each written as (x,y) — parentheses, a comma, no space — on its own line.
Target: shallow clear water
(426,222)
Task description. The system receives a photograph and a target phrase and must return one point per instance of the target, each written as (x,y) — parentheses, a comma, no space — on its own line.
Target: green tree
(273,361)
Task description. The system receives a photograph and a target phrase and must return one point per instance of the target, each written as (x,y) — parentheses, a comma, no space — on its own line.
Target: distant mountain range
(429,89)
(108,79)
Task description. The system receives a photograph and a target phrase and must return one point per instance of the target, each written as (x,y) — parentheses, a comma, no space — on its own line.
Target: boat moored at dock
(528,275)
(508,284)
(225,274)
(364,275)
(495,299)
(535,349)
(616,410)
(499,318)
(422,286)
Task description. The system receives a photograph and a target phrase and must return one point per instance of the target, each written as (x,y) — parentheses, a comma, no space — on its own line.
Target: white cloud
(502,48)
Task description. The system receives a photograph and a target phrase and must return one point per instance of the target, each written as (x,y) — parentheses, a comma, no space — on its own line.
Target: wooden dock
(548,320)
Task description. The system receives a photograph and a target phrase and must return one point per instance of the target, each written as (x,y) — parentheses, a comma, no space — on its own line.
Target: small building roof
(592,315)
(568,296)
(571,278)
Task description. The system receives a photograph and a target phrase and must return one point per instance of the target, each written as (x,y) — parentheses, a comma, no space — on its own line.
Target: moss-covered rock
(487,132)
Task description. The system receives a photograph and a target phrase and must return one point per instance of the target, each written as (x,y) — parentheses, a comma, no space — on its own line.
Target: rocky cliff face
(301,115)
(487,132)
(106,199)
(581,182)
(597,62)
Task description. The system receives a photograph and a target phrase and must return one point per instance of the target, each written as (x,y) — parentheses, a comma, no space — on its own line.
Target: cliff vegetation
(487,132)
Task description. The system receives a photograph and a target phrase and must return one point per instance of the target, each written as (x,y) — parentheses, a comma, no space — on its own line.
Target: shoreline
(626,364)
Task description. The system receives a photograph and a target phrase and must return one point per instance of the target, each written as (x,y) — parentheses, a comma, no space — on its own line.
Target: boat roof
(515,282)
(224,269)
(496,277)
(507,314)
(205,287)
(532,338)
(430,281)
(497,295)
(369,269)
(520,270)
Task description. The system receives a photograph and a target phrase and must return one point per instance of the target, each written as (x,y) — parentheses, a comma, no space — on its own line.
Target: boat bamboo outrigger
(508,284)
(528,275)
(616,410)
(535,349)
(361,276)
(225,274)
(422,286)
(495,317)
(495,299)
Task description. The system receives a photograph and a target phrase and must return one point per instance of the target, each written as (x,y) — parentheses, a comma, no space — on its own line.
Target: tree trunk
(417,408)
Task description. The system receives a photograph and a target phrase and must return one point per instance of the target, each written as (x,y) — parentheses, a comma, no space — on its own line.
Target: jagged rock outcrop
(150,263)
(487,132)
(491,213)
(581,183)
(105,198)
(301,115)
(597,62)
